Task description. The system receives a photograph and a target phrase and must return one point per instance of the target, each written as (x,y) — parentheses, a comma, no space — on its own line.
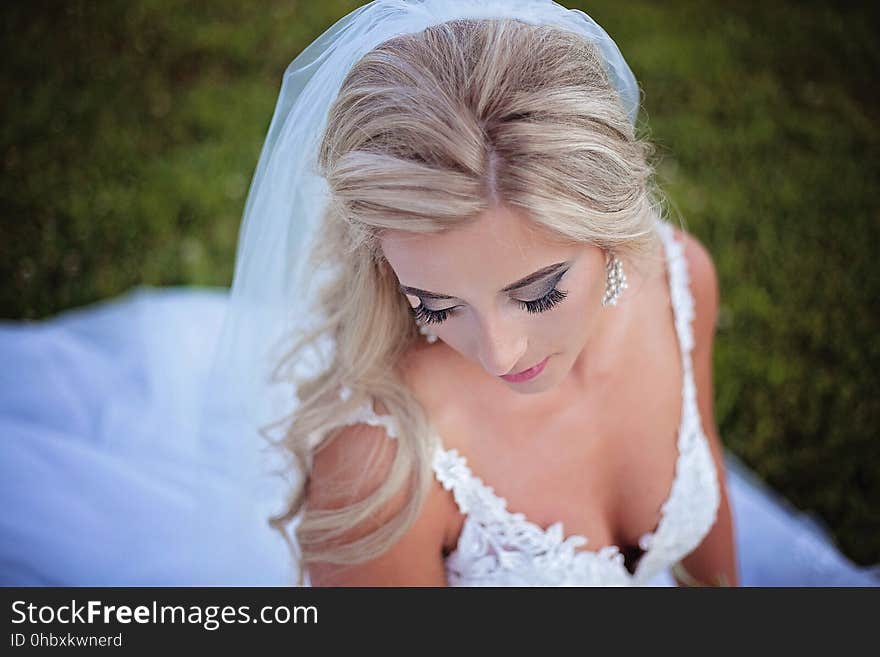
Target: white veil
(273,286)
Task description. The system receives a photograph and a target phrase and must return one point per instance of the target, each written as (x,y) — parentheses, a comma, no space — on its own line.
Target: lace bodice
(498,547)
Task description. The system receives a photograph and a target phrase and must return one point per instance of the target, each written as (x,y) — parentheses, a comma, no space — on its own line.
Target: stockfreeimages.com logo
(210,617)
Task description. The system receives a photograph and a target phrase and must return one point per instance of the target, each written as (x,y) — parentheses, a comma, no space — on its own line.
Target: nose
(501,348)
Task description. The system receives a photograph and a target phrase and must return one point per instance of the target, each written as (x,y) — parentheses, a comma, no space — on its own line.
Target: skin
(494,332)
(591,441)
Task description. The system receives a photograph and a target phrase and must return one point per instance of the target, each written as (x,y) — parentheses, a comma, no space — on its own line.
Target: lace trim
(504,540)
(366,414)
(362,414)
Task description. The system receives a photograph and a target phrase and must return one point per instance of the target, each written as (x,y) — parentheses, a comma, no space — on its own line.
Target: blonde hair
(429,131)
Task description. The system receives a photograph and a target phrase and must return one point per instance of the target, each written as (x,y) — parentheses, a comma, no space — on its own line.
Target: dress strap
(471,494)
(679,286)
(365,413)
(362,414)
(683,311)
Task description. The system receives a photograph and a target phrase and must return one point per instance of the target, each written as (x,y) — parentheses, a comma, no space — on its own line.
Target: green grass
(130,132)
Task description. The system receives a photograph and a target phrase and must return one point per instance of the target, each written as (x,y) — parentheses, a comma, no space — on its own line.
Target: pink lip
(525,375)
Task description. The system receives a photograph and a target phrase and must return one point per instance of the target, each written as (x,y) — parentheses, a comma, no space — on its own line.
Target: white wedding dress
(100,487)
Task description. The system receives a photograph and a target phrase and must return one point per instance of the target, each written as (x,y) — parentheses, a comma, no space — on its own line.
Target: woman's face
(504,295)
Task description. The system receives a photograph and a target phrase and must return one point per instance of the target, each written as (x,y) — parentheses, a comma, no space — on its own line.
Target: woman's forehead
(498,247)
(496,229)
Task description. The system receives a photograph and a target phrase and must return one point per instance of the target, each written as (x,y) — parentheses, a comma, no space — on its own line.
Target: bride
(454,211)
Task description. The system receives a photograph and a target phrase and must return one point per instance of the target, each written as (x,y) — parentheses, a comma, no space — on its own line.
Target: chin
(536,389)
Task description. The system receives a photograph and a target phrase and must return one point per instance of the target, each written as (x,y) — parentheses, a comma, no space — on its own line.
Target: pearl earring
(615,282)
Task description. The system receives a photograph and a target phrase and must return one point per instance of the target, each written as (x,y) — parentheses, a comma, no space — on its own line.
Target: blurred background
(130,131)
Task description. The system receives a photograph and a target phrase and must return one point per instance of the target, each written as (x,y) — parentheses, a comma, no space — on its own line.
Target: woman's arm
(713,562)
(416,558)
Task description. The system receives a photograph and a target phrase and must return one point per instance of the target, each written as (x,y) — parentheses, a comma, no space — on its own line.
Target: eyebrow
(521,283)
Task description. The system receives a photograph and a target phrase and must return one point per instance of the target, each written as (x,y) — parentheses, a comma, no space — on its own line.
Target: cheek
(571,321)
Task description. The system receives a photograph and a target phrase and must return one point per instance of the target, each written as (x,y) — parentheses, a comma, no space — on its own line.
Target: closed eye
(543,304)
(546,302)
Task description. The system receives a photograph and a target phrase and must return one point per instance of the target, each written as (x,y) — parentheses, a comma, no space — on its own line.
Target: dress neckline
(554,535)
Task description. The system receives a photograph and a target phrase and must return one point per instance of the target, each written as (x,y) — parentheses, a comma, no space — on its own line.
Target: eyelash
(545,303)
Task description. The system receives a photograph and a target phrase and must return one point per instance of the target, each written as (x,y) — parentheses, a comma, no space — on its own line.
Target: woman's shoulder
(353,466)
